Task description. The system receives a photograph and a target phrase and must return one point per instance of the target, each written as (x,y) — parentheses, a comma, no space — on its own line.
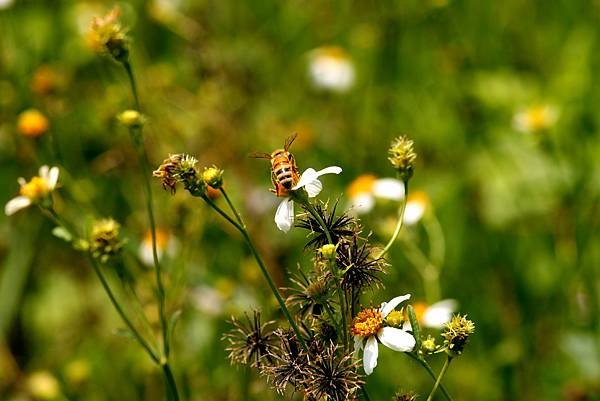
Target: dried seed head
(402,157)
(250,343)
(402,396)
(104,239)
(456,333)
(180,168)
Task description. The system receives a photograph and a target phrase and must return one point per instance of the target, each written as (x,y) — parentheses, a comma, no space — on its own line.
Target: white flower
(165,241)
(433,316)
(34,190)
(331,68)
(365,188)
(535,119)
(416,205)
(6,3)
(368,327)
(309,180)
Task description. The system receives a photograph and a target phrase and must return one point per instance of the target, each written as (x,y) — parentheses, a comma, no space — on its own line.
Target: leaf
(416,329)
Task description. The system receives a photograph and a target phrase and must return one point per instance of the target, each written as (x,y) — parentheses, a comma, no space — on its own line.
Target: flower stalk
(440,377)
(399,224)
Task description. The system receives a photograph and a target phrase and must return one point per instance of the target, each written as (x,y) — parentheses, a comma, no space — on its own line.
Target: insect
(284,172)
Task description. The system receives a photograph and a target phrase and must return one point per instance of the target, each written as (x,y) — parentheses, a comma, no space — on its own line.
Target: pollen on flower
(395,318)
(35,189)
(367,323)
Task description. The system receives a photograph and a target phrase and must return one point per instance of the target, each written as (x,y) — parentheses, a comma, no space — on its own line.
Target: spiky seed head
(104,239)
(456,334)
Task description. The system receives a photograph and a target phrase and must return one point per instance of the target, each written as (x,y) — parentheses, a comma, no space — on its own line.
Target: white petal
(362,203)
(389,188)
(413,212)
(53,177)
(310,175)
(16,204)
(43,172)
(313,188)
(406,326)
(370,355)
(396,339)
(358,345)
(284,217)
(439,313)
(387,307)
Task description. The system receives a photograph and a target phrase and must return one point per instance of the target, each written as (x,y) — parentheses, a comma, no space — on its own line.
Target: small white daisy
(330,68)
(33,190)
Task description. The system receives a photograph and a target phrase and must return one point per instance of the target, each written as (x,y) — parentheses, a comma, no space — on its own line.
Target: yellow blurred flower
(331,68)
(34,190)
(535,119)
(165,242)
(106,35)
(32,123)
(43,385)
(77,371)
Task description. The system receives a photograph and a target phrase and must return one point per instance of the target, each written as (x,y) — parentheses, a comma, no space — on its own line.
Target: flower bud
(328,251)
(402,157)
(32,123)
(456,334)
(131,118)
(428,344)
(104,240)
(107,36)
(213,177)
(395,318)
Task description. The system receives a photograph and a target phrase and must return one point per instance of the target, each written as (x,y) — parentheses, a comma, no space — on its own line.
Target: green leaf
(416,329)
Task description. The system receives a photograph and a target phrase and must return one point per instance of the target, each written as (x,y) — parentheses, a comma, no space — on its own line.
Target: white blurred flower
(6,4)
(165,242)
(416,206)
(331,68)
(208,300)
(365,188)
(309,180)
(433,316)
(368,327)
(535,118)
(33,190)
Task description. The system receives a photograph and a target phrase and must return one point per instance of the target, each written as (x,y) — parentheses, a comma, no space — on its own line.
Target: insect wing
(289,140)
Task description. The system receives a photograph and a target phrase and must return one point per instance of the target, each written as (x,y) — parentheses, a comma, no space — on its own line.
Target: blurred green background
(516,190)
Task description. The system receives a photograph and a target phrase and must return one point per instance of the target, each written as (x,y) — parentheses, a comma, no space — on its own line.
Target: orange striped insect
(284,172)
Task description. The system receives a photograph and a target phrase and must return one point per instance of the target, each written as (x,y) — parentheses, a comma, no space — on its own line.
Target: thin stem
(365,393)
(171,385)
(233,209)
(399,224)
(431,373)
(136,134)
(317,217)
(262,266)
(120,311)
(440,377)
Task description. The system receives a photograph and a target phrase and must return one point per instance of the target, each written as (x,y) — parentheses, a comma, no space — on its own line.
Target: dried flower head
(107,36)
(213,177)
(361,269)
(402,396)
(131,118)
(456,333)
(289,362)
(338,226)
(311,296)
(402,157)
(180,168)
(250,343)
(32,123)
(332,375)
(104,239)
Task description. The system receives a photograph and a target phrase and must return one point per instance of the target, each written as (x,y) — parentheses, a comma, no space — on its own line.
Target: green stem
(307,205)
(262,266)
(171,385)
(233,209)
(365,393)
(399,224)
(136,134)
(431,373)
(120,311)
(440,377)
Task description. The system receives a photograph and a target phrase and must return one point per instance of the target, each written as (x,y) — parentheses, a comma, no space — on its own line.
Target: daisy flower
(535,119)
(331,68)
(34,190)
(165,241)
(309,180)
(416,206)
(364,190)
(369,327)
(433,316)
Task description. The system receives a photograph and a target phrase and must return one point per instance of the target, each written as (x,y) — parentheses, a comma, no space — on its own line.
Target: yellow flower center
(395,318)
(367,323)
(35,189)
